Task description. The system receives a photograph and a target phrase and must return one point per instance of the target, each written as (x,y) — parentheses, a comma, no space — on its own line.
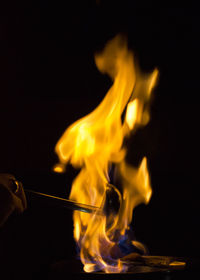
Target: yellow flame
(132,113)
(94,143)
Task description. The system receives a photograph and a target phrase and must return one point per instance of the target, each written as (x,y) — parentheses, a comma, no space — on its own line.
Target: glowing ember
(94,144)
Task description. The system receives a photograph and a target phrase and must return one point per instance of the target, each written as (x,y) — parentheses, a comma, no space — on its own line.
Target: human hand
(12,197)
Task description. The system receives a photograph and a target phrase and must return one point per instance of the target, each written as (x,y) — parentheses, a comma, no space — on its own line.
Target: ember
(95,144)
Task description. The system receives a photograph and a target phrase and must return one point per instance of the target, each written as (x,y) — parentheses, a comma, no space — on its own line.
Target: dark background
(48,79)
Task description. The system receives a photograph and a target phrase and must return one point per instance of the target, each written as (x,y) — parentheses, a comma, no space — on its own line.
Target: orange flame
(94,143)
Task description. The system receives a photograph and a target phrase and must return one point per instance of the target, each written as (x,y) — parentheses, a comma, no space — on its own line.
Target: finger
(6,180)
(15,188)
(19,192)
(17,202)
(6,204)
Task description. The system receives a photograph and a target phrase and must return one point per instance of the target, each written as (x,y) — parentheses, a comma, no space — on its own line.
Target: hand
(12,197)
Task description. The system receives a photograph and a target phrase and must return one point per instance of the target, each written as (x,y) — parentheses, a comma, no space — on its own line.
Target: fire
(95,144)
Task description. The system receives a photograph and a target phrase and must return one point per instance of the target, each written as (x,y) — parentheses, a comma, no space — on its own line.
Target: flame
(94,144)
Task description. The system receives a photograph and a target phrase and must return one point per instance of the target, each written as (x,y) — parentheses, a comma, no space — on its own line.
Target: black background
(48,79)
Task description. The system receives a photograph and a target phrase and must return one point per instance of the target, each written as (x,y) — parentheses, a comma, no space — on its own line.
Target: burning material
(95,144)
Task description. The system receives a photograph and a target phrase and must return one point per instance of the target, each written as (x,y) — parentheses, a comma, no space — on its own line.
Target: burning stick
(109,205)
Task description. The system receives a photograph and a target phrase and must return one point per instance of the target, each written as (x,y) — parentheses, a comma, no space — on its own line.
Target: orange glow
(94,144)
(59,168)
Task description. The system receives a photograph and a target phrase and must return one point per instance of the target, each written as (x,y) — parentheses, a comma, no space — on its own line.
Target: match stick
(62,202)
